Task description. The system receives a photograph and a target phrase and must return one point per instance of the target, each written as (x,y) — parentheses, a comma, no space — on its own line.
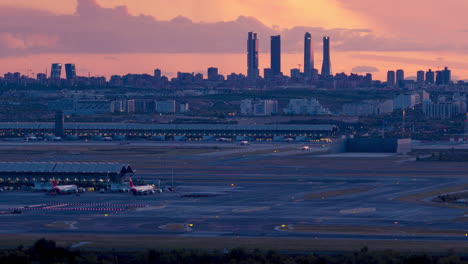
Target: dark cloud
(93,29)
(365,69)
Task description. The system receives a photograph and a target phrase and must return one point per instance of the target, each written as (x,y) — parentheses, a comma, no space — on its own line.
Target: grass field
(131,243)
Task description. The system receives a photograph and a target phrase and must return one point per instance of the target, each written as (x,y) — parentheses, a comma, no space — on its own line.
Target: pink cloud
(94,29)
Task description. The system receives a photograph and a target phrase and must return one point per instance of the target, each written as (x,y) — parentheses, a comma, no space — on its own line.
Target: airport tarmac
(247,209)
(274,185)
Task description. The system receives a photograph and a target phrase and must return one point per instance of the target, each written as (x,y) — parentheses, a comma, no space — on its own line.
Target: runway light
(190,224)
(232,185)
(396,223)
(106,215)
(283,225)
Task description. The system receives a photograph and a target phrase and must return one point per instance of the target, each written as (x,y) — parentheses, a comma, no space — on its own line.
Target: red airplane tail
(54,183)
(131,183)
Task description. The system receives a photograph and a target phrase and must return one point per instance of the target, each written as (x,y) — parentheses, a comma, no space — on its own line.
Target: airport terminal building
(168,131)
(89,174)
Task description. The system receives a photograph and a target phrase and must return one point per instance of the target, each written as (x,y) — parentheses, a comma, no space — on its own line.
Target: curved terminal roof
(64,167)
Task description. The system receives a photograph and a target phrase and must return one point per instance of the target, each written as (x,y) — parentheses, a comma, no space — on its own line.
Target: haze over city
(137,36)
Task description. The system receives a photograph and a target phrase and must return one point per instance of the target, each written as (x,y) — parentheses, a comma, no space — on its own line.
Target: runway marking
(358,211)
(77,245)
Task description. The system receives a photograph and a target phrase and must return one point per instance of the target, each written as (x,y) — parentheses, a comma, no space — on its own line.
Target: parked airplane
(65,189)
(142,189)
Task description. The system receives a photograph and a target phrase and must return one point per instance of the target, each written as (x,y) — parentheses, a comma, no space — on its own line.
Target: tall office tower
(390,78)
(430,77)
(275,55)
(439,78)
(446,76)
(157,74)
(326,66)
(252,56)
(70,71)
(308,56)
(56,71)
(212,74)
(400,78)
(420,76)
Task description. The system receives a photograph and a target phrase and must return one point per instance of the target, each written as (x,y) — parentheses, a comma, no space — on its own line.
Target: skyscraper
(276,55)
(446,76)
(420,76)
(252,56)
(400,78)
(212,74)
(326,66)
(157,74)
(390,78)
(56,71)
(70,71)
(430,76)
(308,56)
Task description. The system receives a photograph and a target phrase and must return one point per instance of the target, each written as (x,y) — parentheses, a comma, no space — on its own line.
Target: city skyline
(358,47)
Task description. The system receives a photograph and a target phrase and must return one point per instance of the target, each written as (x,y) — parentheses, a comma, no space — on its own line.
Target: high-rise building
(56,71)
(430,77)
(439,78)
(213,74)
(252,56)
(157,74)
(446,76)
(70,71)
(400,78)
(420,77)
(326,66)
(275,55)
(391,78)
(308,56)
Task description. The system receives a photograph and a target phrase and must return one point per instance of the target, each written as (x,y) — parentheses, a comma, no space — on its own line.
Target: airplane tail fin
(54,183)
(131,183)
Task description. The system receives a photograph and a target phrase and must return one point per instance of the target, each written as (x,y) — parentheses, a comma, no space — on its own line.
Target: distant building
(166,107)
(404,101)
(420,77)
(391,78)
(157,74)
(326,65)
(70,71)
(117,107)
(446,76)
(129,106)
(305,107)
(400,78)
(250,107)
(368,108)
(275,55)
(144,106)
(308,56)
(265,108)
(439,110)
(56,71)
(212,74)
(184,107)
(252,56)
(430,77)
(296,74)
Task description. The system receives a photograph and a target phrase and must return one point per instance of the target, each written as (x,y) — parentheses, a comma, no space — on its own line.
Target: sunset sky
(105,37)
